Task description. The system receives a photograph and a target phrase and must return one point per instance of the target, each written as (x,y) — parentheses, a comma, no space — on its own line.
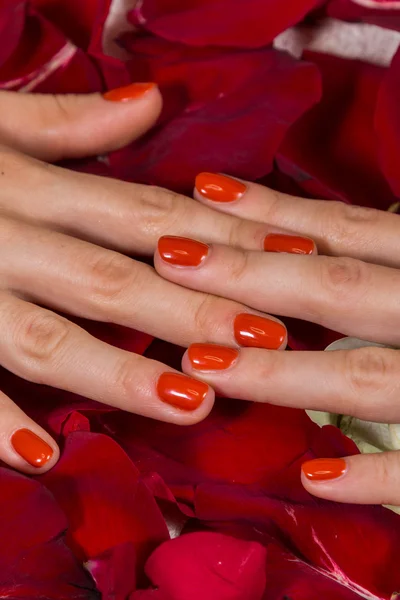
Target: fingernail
(219,188)
(182,252)
(128,92)
(209,357)
(259,332)
(181,391)
(31,447)
(323,469)
(292,244)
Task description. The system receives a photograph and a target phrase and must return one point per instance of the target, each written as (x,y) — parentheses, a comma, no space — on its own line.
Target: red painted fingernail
(259,332)
(219,188)
(182,252)
(128,92)
(31,447)
(181,391)
(209,357)
(292,244)
(324,469)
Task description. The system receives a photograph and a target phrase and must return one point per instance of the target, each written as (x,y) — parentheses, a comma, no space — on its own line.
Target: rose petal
(104,499)
(384,13)
(231,23)
(201,565)
(34,560)
(114,571)
(387,122)
(342,156)
(224,111)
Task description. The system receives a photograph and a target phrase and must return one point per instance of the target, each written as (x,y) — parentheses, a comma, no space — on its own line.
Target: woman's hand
(64,241)
(354,289)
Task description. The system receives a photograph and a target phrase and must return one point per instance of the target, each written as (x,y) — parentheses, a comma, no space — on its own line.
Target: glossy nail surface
(31,447)
(258,332)
(209,357)
(291,244)
(181,391)
(128,92)
(324,469)
(182,252)
(219,188)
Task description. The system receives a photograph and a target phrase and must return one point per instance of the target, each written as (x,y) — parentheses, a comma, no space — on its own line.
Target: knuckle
(109,276)
(346,223)
(207,318)
(369,371)
(238,232)
(124,382)
(159,210)
(343,279)
(270,366)
(240,267)
(40,337)
(384,470)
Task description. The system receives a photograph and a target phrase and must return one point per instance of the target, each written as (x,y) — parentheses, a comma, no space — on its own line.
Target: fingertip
(188,399)
(32,450)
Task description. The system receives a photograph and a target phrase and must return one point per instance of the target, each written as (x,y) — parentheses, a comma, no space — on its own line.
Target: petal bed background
(136,509)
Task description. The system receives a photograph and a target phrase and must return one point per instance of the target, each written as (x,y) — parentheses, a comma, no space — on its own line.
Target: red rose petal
(342,156)
(114,571)
(231,23)
(34,560)
(226,112)
(383,14)
(201,565)
(106,503)
(387,122)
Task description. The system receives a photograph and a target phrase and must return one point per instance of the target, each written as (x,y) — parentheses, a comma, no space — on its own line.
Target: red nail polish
(128,92)
(31,448)
(219,188)
(259,332)
(324,469)
(182,252)
(209,357)
(291,244)
(181,391)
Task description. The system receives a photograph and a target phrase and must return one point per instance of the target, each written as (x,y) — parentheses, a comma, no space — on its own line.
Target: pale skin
(66,238)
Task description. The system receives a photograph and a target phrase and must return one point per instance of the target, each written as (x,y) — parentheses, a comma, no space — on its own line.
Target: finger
(122,216)
(45,348)
(364,383)
(337,228)
(23,444)
(82,279)
(343,294)
(52,127)
(363,479)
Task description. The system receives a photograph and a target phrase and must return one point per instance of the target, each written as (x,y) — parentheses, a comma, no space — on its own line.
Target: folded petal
(34,559)
(230,23)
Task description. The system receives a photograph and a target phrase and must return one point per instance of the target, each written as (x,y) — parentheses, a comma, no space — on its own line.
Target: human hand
(354,289)
(65,241)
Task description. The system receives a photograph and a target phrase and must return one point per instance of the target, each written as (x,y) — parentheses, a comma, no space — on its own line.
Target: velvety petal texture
(141,510)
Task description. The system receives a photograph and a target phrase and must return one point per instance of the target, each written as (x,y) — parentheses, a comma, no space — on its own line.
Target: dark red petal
(342,157)
(387,122)
(34,560)
(105,501)
(224,111)
(114,571)
(383,14)
(230,23)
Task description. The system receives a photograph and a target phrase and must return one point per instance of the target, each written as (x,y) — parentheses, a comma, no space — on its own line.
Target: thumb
(361,479)
(51,127)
